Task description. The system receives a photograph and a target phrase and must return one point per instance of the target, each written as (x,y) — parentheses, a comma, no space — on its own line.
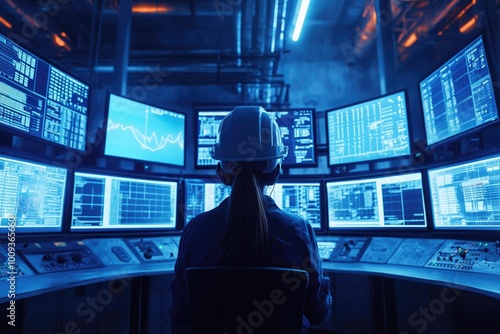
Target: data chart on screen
(142,132)
(458,97)
(380,202)
(110,202)
(370,130)
(39,101)
(297,128)
(202,196)
(299,198)
(31,196)
(466,195)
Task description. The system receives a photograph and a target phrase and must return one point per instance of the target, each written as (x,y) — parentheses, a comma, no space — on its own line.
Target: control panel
(112,251)
(464,255)
(12,264)
(53,256)
(415,251)
(326,245)
(350,249)
(381,249)
(342,249)
(155,248)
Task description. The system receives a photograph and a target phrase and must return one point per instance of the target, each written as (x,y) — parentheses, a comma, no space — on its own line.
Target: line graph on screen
(142,132)
(151,142)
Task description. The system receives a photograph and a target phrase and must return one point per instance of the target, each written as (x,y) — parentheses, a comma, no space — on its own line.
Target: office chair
(257,300)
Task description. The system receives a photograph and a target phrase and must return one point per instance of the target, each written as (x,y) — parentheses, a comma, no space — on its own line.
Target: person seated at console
(248,228)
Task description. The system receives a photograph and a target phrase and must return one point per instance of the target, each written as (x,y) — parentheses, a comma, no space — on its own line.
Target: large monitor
(301,198)
(203,195)
(145,133)
(108,202)
(458,98)
(466,195)
(39,101)
(297,127)
(32,196)
(375,129)
(395,201)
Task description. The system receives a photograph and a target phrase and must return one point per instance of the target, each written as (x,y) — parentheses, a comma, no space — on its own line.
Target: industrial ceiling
(211,41)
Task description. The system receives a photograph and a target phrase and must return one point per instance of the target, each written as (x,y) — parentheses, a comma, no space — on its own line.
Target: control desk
(48,265)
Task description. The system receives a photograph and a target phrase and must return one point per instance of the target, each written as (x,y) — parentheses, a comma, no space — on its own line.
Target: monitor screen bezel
(228,109)
(456,163)
(379,228)
(496,94)
(121,174)
(8,154)
(15,132)
(371,160)
(136,161)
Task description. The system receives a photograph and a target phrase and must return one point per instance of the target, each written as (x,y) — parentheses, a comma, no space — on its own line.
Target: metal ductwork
(409,23)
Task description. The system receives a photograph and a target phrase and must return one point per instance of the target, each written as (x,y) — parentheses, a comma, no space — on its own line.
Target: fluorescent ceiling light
(300,20)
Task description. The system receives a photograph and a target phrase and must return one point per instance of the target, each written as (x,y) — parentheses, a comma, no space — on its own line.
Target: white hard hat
(250,134)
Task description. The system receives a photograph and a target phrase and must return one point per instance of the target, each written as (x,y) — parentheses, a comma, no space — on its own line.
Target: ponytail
(245,238)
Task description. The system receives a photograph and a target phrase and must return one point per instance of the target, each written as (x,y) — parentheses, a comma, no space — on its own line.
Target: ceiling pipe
(123,46)
(245,32)
(272,20)
(239,32)
(260,28)
(238,27)
(248,14)
(282,26)
(271,31)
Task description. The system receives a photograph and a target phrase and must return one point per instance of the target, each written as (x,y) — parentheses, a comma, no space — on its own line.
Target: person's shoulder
(281,216)
(206,218)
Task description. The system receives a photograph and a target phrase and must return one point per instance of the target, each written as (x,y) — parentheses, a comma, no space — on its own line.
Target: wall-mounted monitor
(108,202)
(297,127)
(301,198)
(458,98)
(202,195)
(395,201)
(374,129)
(32,196)
(145,133)
(39,101)
(466,195)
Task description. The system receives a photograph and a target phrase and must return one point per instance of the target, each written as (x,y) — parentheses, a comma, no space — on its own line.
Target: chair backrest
(246,300)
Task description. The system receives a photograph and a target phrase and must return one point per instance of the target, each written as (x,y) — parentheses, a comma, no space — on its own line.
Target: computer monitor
(142,132)
(32,196)
(466,195)
(375,129)
(458,98)
(109,202)
(395,201)
(202,195)
(39,101)
(207,129)
(297,127)
(301,198)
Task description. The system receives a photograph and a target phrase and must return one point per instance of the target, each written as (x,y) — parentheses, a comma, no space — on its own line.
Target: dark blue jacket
(293,245)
